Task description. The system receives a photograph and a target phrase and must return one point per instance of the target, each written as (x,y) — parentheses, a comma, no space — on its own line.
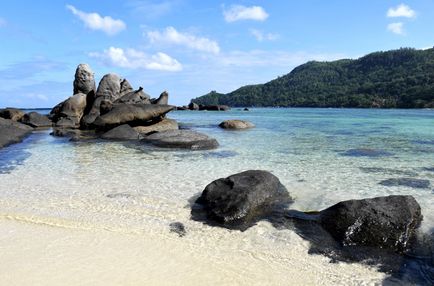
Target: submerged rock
(184,139)
(366,152)
(163,125)
(12,114)
(236,124)
(179,228)
(383,222)
(74,134)
(407,182)
(35,119)
(388,171)
(240,200)
(12,132)
(123,132)
(131,113)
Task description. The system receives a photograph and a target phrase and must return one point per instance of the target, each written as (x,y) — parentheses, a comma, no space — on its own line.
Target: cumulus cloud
(134,59)
(94,21)
(401,10)
(239,12)
(172,36)
(261,36)
(396,28)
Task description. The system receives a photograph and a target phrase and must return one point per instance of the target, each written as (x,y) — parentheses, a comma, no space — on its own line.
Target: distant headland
(402,78)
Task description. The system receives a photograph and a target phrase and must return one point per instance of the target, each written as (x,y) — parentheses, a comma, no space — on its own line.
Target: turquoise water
(322,156)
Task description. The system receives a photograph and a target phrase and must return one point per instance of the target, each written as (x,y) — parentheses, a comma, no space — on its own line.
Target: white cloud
(172,36)
(134,59)
(396,28)
(2,22)
(239,12)
(94,21)
(261,36)
(401,10)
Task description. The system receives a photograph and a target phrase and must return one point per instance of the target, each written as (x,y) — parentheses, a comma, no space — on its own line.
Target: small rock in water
(407,182)
(388,171)
(220,154)
(366,152)
(236,124)
(429,169)
(179,228)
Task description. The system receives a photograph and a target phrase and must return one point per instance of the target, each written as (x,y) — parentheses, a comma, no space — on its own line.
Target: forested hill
(401,78)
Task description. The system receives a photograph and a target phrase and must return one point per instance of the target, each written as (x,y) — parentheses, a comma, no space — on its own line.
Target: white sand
(38,254)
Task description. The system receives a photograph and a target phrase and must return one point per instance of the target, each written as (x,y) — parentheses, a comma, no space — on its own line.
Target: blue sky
(190,47)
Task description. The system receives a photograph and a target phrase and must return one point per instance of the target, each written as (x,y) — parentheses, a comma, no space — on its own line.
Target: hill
(401,78)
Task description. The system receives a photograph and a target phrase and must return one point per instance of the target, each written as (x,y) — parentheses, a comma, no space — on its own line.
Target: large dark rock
(35,119)
(214,107)
(407,182)
(240,200)
(134,97)
(12,132)
(383,222)
(236,124)
(12,114)
(162,99)
(131,113)
(184,139)
(123,132)
(84,81)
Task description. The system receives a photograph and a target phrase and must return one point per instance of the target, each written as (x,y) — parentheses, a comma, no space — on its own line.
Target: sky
(190,47)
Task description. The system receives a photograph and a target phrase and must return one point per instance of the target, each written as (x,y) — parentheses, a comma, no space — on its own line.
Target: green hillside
(401,78)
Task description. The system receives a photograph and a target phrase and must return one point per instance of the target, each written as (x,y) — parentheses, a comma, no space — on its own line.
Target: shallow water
(321,155)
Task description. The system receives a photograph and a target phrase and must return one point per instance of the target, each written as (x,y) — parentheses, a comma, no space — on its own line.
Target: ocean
(101,210)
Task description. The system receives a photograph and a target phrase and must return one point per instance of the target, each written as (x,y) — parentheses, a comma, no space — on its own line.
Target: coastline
(45,255)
